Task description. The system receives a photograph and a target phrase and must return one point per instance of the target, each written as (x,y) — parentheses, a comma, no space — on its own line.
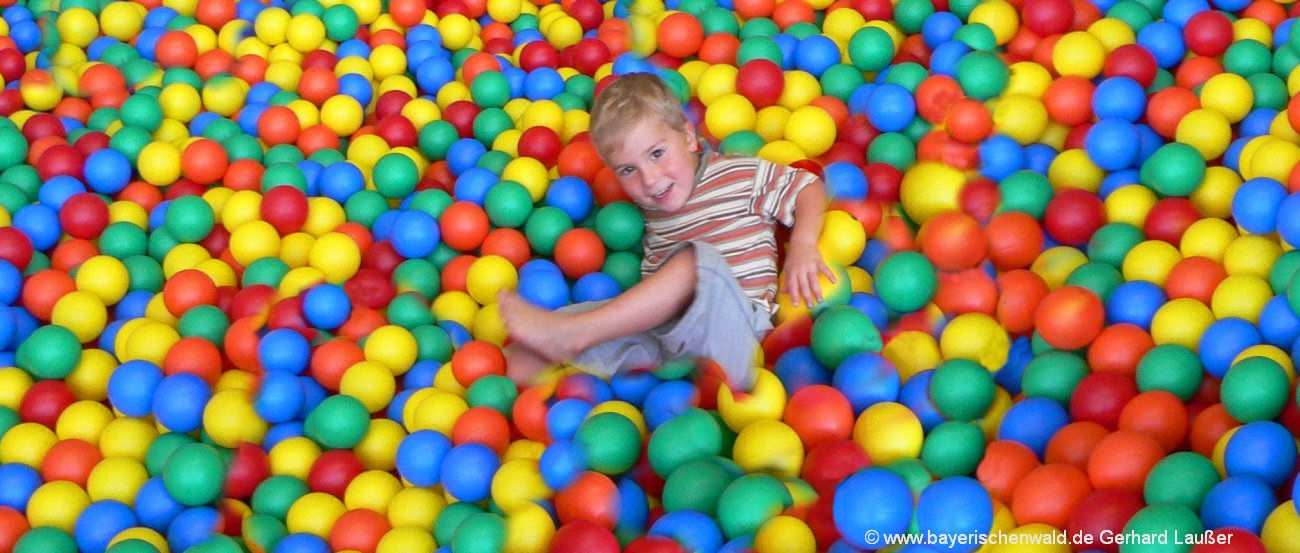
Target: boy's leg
(523,365)
(559,337)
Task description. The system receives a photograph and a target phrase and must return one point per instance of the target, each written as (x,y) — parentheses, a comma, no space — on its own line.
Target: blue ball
(544,289)
(939,28)
(872,307)
(473,185)
(1119,98)
(133,305)
(302,543)
(107,171)
(154,506)
(694,530)
(434,72)
(1256,204)
(845,181)
(421,375)
(565,416)
(891,107)
(816,54)
(467,471)
(562,462)
(595,287)
(1223,340)
(326,306)
(957,505)
(870,504)
(131,387)
(261,93)
(1238,501)
(634,506)
(284,349)
(1278,324)
(1264,449)
(667,400)
(283,431)
(463,155)
(420,457)
(945,57)
(633,386)
(1288,219)
(340,180)
(866,379)
(178,402)
(100,522)
(415,234)
(1257,122)
(799,368)
(1038,157)
(279,398)
(571,195)
(358,87)
(11,283)
(1033,422)
(1179,12)
(17,483)
(312,394)
(1009,375)
(1000,156)
(1112,144)
(543,83)
(191,527)
(1165,41)
(40,223)
(1135,302)
(7,328)
(915,394)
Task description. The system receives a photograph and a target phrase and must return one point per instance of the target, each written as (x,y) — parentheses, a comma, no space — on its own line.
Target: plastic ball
(870,503)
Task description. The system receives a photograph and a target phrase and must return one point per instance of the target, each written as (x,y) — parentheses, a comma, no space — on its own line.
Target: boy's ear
(692,137)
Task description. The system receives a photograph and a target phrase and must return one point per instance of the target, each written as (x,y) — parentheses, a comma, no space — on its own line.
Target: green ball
(495,391)
(1172,368)
(1270,91)
(962,390)
(267,271)
(205,321)
(13,198)
(698,485)
(339,422)
(913,472)
(911,14)
(442,255)
(1167,519)
(490,89)
(758,47)
(194,474)
(620,226)
(142,111)
(982,75)
(1255,389)
(1183,478)
(871,49)
(275,495)
(840,332)
(487,125)
(1112,242)
(953,448)
(283,174)
(508,204)
(976,35)
(908,75)
(802,30)
(49,353)
(716,19)
(1027,192)
(1247,57)
(625,267)
(1054,375)
(286,155)
(743,142)
(432,201)
(217,543)
(750,501)
(759,26)
(544,227)
(243,146)
(264,531)
(436,138)
(13,148)
(450,519)
(1098,277)
(580,86)
(130,140)
(133,545)
(189,218)
(894,149)
(1283,271)
(341,23)
(693,434)
(46,539)
(396,176)
(123,240)
(1133,14)
(432,343)
(409,310)
(480,533)
(8,419)
(611,441)
(841,80)
(365,207)
(25,178)
(1176,169)
(418,276)
(155,458)
(161,242)
(906,281)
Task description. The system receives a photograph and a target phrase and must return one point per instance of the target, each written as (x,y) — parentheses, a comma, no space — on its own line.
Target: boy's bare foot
(549,334)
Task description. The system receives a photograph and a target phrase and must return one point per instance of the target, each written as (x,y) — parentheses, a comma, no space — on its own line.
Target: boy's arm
(803,261)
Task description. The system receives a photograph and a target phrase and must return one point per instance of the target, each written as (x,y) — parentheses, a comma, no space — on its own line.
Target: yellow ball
(782,152)
(1209,237)
(1079,54)
(342,114)
(372,489)
(293,457)
(564,32)
(418,507)
(151,342)
(1031,538)
(456,31)
(89,379)
(406,538)
(371,383)
(1251,255)
(977,337)
(930,188)
(117,478)
(728,114)
(378,449)
(127,437)
(122,20)
(1130,204)
(1151,260)
(812,129)
(840,25)
(1281,531)
(14,383)
(489,325)
(180,102)
(843,238)
(529,529)
(323,215)
(765,401)
(314,513)
(1028,78)
(387,60)
(57,504)
(229,419)
(336,255)
(1206,130)
(518,483)
(1000,17)
(1182,321)
(785,534)
(146,535)
(393,347)
(83,420)
(911,352)
(160,163)
(438,411)
(770,123)
(26,443)
(455,306)
(889,432)
(1241,296)
(530,173)
(1021,116)
(305,33)
(769,446)
(1074,169)
(801,88)
(489,275)
(254,240)
(272,25)
(81,312)
(715,82)
(1112,32)
(1229,94)
(77,26)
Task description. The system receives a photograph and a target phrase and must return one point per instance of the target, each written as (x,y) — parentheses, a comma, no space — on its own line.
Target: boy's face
(655,164)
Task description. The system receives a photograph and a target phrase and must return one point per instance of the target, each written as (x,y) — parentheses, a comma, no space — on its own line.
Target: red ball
(359,530)
(369,289)
(508,243)
(589,13)
(278,125)
(464,225)
(1050,494)
(1048,17)
(538,53)
(1119,348)
(819,414)
(1100,397)
(1231,540)
(196,356)
(333,471)
(583,537)
(461,114)
(589,55)
(829,463)
(484,425)
(1208,33)
(579,251)
(12,523)
(1074,442)
(60,159)
(542,144)
(1195,277)
(1132,61)
(1169,219)
(952,241)
(1073,216)
(42,125)
(285,207)
(1070,317)
(1104,511)
(84,216)
(1122,460)
(70,460)
(593,498)
(249,466)
(654,544)
(187,289)
(680,35)
(391,103)
(45,401)
(476,359)
(12,64)
(1004,464)
(240,343)
(761,81)
(1014,240)
(397,131)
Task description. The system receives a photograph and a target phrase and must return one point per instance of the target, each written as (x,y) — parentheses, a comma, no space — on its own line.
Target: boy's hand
(802,267)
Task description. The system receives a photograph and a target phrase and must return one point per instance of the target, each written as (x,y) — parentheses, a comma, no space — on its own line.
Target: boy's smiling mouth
(660,194)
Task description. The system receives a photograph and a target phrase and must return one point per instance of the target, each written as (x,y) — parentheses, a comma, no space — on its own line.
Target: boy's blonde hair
(628,100)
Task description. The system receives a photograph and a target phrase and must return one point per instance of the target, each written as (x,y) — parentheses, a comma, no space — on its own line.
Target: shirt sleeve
(775,190)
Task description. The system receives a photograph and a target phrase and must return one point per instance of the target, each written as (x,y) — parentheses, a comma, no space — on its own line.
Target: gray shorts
(721,323)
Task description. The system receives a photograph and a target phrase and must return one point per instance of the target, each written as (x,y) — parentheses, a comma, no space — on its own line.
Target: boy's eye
(656,154)
(625,171)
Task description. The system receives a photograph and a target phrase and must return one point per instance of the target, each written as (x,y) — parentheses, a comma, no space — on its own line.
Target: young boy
(710,267)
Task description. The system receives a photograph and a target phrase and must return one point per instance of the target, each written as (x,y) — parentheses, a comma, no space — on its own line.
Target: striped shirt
(735,206)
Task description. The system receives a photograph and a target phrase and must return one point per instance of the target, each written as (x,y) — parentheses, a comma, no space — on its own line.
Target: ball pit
(250,255)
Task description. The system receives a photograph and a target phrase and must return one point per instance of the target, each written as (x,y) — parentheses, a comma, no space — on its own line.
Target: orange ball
(176,49)
(680,35)
(71,253)
(476,359)
(579,251)
(508,243)
(1004,465)
(1069,100)
(935,95)
(789,12)
(529,413)
(331,359)
(455,274)
(196,356)
(1123,459)
(318,84)
(12,527)
(1165,109)
(1014,240)
(464,226)
(1208,426)
(44,289)
(1070,317)
(1049,494)
(749,9)
(1195,277)
(70,460)
(278,125)
(1119,348)
(204,161)
(579,159)
(215,13)
(968,291)
(1073,443)
(359,530)
(969,120)
(1022,292)
(483,425)
(1158,414)
(819,414)
(593,497)
(188,288)
(953,241)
